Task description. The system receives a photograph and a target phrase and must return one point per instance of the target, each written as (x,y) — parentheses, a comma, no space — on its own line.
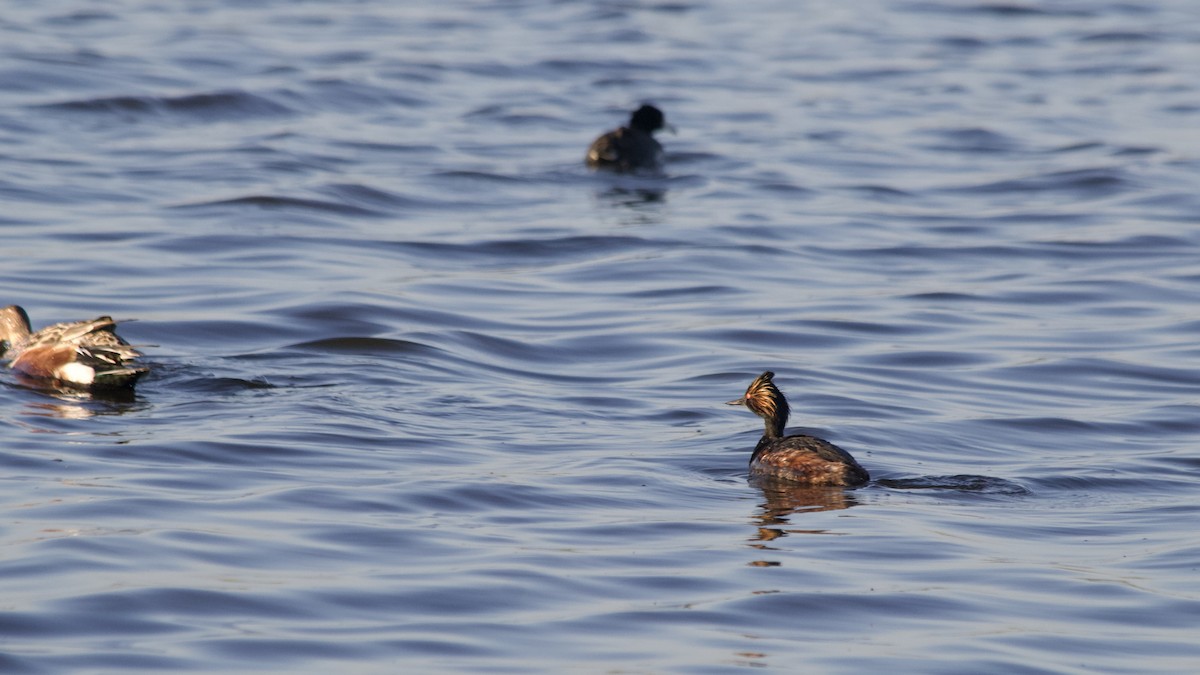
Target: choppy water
(427,396)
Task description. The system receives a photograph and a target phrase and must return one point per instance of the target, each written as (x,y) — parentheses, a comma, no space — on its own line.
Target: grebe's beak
(736,401)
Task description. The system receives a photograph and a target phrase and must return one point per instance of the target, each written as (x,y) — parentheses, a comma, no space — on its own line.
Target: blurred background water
(428,396)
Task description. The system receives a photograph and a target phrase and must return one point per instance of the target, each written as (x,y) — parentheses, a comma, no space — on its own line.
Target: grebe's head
(14,327)
(764,399)
(648,119)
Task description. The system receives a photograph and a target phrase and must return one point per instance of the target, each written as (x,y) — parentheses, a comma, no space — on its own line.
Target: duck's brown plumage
(83,354)
(799,458)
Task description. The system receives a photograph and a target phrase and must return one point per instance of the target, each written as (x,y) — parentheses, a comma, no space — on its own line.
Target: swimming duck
(630,148)
(798,458)
(80,354)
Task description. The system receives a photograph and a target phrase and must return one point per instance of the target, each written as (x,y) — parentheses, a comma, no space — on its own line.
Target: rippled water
(427,396)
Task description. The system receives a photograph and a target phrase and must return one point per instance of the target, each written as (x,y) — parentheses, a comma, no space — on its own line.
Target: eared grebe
(83,354)
(630,148)
(802,459)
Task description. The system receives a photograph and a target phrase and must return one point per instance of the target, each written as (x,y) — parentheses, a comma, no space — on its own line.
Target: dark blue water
(427,396)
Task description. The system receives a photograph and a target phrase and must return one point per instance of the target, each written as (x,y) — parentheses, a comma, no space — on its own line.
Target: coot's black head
(648,119)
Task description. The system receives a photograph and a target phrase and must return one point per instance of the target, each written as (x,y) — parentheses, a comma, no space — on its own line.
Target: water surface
(428,396)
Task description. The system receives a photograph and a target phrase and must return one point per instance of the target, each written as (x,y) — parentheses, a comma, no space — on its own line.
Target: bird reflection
(633,205)
(73,403)
(633,197)
(785,499)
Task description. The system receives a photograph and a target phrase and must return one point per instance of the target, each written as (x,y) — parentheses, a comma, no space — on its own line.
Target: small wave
(363,345)
(958,483)
(81,17)
(1135,150)
(277,202)
(1125,488)
(682,292)
(214,105)
(943,296)
(478,176)
(1121,36)
(972,140)
(1077,147)
(927,359)
(852,327)
(1099,181)
(915,251)
(352,199)
(881,191)
(508,250)
(222,385)
(374,200)
(999,9)
(860,75)
(962,42)
(1111,371)
(787,189)
(1041,424)
(340,94)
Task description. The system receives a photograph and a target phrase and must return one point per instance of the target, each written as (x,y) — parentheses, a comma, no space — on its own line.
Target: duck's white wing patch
(76,372)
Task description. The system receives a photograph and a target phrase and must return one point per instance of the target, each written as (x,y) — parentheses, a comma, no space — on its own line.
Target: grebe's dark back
(799,458)
(630,148)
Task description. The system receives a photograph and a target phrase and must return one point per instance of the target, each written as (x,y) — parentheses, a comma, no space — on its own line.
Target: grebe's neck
(776,411)
(773,425)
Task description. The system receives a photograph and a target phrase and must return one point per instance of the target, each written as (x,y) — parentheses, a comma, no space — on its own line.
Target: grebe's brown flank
(630,148)
(798,458)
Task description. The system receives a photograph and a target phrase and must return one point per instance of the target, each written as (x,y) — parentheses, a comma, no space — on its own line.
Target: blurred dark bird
(632,147)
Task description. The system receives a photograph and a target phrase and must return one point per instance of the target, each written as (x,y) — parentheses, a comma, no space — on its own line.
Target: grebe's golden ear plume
(764,399)
(759,383)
